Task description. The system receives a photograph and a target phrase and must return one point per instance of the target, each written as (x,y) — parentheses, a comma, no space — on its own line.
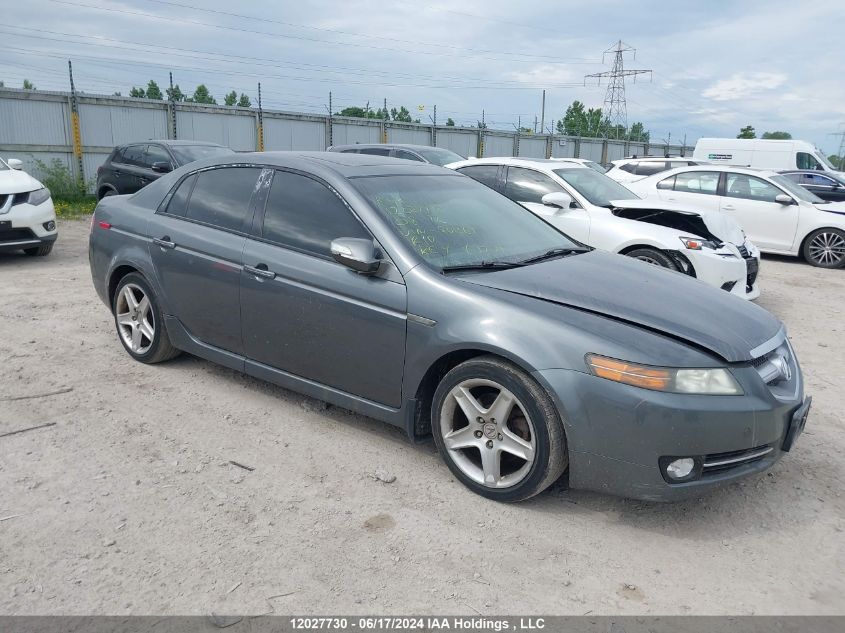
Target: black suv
(129,167)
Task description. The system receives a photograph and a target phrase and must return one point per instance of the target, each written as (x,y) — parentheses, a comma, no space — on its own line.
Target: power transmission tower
(615,107)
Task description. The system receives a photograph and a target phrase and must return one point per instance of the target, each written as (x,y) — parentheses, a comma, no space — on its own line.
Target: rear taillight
(104,225)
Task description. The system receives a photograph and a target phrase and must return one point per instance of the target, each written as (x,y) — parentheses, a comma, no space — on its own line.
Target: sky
(717,65)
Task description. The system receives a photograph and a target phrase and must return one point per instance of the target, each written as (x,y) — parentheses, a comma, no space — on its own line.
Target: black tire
(108,192)
(39,251)
(653,256)
(825,248)
(550,454)
(159,348)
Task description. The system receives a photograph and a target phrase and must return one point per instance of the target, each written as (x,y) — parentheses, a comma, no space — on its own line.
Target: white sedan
(779,215)
(600,212)
(27,216)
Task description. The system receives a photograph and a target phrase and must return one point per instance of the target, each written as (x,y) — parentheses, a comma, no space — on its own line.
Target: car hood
(16,181)
(643,295)
(721,225)
(831,207)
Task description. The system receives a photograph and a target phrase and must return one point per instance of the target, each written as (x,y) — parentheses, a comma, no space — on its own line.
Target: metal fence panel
(615,150)
(234,130)
(109,125)
(294,134)
(412,136)
(90,162)
(463,143)
(29,158)
(563,147)
(591,149)
(34,122)
(637,149)
(344,133)
(532,147)
(498,145)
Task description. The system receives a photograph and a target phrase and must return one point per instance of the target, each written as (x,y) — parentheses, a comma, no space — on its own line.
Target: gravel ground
(130,502)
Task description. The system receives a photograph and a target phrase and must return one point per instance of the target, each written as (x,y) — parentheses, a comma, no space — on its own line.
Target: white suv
(27,216)
(632,169)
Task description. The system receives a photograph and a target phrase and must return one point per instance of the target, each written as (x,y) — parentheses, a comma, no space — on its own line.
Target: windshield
(597,188)
(452,221)
(189,153)
(823,160)
(438,156)
(594,166)
(796,190)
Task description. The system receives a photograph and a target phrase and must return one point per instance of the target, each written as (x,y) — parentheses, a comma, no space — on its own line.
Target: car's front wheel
(139,323)
(498,430)
(825,248)
(653,256)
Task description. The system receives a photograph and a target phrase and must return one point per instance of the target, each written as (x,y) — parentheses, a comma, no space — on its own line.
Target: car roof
(766,173)
(541,163)
(345,165)
(334,148)
(173,142)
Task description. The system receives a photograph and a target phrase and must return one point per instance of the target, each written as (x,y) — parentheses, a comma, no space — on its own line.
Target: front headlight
(38,196)
(696,244)
(717,381)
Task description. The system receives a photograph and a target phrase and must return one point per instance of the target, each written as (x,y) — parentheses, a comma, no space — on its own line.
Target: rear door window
(304,214)
(485,174)
(221,197)
(697,182)
(527,185)
(134,155)
(649,168)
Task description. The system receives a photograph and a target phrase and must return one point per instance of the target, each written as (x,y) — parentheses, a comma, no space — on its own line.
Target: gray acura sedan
(420,297)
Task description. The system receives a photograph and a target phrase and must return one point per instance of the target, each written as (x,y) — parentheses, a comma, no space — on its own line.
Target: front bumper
(27,226)
(727,270)
(617,434)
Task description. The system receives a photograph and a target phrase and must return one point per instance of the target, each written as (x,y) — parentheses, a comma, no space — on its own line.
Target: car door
(697,188)
(751,201)
(305,314)
(197,248)
(527,187)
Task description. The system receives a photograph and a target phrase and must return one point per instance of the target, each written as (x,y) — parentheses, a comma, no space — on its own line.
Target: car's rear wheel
(108,191)
(653,256)
(825,248)
(498,430)
(139,323)
(39,251)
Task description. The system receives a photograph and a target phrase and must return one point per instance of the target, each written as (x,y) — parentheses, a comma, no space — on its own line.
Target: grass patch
(70,208)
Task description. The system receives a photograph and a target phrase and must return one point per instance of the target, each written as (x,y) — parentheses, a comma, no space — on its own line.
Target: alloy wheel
(135,319)
(828,249)
(488,433)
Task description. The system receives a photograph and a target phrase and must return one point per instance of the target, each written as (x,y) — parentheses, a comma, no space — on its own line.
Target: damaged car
(414,295)
(598,211)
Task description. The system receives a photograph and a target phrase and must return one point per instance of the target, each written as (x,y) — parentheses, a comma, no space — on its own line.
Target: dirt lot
(129,503)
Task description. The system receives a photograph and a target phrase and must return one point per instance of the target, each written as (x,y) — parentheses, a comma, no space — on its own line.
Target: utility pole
(535,124)
(330,119)
(434,128)
(74,125)
(172,100)
(614,98)
(260,121)
(543,112)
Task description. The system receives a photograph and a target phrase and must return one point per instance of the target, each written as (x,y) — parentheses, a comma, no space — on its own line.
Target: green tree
(117,94)
(2,84)
(202,95)
(231,98)
(138,92)
(450,122)
(175,94)
(639,133)
(525,130)
(577,121)
(353,111)
(780,136)
(244,101)
(747,132)
(153,91)
(402,115)
(837,161)
(28,85)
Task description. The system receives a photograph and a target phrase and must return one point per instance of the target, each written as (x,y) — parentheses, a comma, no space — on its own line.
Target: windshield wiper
(552,254)
(491,265)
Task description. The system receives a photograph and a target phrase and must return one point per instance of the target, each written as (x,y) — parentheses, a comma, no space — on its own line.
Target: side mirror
(356,253)
(162,167)
(558,199)
(782,198)
(15,163)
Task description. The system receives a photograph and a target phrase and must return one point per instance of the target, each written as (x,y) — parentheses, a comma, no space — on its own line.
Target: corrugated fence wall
(36,125)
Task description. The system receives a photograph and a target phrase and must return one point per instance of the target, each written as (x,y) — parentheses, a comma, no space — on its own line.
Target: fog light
(50,226)
(680,468)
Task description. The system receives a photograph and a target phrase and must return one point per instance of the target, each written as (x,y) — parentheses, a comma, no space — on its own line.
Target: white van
(761,154)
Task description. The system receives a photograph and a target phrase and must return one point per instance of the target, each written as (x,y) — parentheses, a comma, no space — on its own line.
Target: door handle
(164,242)
(260,270)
